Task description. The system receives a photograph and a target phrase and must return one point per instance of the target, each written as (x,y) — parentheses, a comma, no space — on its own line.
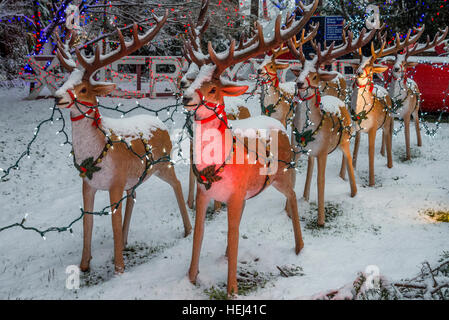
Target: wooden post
(139,76)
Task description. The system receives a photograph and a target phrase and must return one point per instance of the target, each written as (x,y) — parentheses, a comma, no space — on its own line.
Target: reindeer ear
(103,89)
(234,91)
(327,76)
(411,64)
(377,68)
(296,72)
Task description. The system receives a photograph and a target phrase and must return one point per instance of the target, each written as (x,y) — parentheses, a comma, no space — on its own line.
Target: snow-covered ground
(382,226)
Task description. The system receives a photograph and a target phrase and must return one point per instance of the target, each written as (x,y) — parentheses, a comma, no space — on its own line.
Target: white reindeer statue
(108,152)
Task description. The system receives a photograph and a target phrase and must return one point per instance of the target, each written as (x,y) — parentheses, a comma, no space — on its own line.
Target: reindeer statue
(237,181)
(371,104)
(195,31)
(322,122)
(117,145)
(404,91)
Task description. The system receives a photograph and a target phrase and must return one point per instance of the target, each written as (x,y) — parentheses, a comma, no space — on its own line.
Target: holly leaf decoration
(207,176)
(268,110)
(396,104)
(303,138)
(359,117)
(87,168)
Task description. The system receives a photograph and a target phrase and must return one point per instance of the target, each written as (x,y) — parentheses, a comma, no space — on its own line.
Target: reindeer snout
(183,84)
(300,84)
(58,100)
(186,100)
(397,69)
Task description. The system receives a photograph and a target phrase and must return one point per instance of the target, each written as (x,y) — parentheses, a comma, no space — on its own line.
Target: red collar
(218,109)
(317,94)
(273,78)
(370,83)
(97,117)
(395,79)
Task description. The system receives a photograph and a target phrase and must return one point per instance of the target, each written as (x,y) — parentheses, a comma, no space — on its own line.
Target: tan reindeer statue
(233,182)
(276,96)
(371,104)
(195,31)
(117,167)
(323,123)
(404,91)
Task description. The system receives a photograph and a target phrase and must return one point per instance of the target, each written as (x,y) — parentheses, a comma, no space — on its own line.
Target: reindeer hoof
(190,204)
(193,277)
(299,248)
(119,269)
(187,232)
(84,268)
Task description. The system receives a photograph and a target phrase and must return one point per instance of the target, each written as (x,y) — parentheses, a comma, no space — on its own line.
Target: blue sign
(334,28)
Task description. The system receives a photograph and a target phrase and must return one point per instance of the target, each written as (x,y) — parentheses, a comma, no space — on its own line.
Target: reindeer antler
(63,53)
(419,48)
(100,61)
(282,50)
(330,53)
(223,60)
(197,29)
(295,46)
(398,45)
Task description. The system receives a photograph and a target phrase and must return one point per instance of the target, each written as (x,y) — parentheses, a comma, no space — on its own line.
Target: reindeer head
(209,88)
(80,86)
(311,74)
(401,64)
(367,67)
(270,66)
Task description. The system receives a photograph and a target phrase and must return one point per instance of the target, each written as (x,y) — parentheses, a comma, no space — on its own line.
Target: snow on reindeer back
(288,87)
(232,104)
(130,128)
(256,127)
(331,104)
(380,91)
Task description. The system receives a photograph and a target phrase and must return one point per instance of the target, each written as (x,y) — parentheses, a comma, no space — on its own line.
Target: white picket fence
(162,69)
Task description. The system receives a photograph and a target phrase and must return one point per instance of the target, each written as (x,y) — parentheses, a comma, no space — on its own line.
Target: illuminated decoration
(45,75)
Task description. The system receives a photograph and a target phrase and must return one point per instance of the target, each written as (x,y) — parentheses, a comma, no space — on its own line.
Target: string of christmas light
(147,157)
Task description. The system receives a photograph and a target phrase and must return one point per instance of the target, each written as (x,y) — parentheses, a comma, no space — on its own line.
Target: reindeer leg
(382,148)
(191,195)
(241,214)
(356,149)
(389,143)
(115,194)
(284,186)
(202,202)
(217,206)
(418,130)
(348,160)
(371,144)
(407,136)
(343,167)
(310,162)
(128,212)
(235,207)
(88,222)
(167,173)
(322,159)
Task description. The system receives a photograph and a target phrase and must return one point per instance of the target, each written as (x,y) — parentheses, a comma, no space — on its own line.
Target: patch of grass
(133,255)
(399,153)
(364,178)
(249,281)
(331,212)
(437,215)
